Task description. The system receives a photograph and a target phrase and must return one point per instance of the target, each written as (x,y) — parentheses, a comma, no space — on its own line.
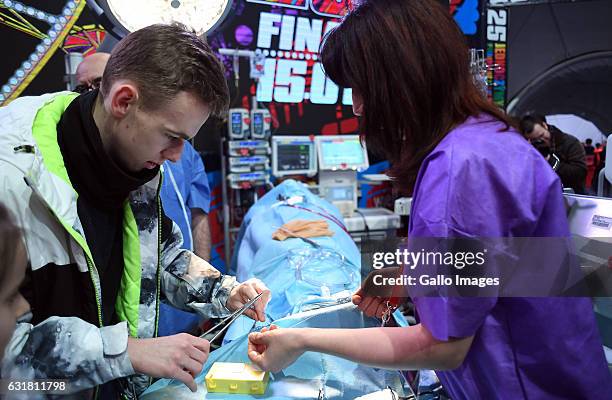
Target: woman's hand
(274,349)
(371,297)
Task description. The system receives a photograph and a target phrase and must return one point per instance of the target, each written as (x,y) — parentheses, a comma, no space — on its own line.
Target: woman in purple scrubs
(471,175)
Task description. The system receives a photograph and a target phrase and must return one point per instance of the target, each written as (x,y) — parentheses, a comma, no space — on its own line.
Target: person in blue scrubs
(185,196)
(471,176)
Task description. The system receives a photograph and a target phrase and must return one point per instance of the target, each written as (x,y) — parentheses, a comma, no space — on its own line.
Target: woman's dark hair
(409,62)
(10,237)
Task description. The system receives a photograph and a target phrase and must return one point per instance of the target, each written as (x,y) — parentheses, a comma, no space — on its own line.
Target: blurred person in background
(89,72)
(564,152)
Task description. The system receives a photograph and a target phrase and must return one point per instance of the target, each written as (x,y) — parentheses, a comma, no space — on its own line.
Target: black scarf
(93,173)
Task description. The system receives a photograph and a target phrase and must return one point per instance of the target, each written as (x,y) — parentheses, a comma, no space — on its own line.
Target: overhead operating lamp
(125,16)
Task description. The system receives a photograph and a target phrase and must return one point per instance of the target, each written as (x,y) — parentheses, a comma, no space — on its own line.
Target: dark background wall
(560,59)
(240,30)
(542,35)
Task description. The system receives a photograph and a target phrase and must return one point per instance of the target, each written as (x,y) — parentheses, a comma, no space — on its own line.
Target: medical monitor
(293,155)
(342,152)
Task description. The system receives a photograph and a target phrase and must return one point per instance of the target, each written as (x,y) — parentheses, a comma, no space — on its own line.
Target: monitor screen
(342,152)
(336,193)
(293,155)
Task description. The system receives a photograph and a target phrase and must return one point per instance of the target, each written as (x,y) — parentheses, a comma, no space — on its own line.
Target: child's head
(13,260)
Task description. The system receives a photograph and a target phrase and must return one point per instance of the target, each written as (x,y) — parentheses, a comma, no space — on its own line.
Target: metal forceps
(231,318)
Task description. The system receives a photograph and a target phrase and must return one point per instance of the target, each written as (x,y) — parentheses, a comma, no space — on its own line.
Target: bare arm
(200,230)
(396,348)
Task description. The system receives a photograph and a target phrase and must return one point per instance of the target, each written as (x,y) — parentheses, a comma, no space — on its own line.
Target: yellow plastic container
(239,378)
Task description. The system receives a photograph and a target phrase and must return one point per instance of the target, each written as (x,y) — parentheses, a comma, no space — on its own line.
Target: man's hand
(246,291)
(179,356)
(371,299)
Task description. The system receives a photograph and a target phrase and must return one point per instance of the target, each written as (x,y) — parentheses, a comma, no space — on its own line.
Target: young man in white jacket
(81,175)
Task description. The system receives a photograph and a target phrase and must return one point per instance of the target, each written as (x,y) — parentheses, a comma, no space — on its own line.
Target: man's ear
(545,125)
(123,96)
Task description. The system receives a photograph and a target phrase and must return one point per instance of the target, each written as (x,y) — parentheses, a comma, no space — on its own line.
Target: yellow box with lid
(239,378)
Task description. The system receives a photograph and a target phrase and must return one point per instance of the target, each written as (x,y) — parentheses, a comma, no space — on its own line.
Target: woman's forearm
(392,348)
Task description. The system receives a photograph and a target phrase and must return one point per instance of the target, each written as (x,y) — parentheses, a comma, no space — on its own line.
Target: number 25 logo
(327,8)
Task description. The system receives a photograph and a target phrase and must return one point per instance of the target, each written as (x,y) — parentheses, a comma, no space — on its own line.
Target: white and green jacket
(35,186)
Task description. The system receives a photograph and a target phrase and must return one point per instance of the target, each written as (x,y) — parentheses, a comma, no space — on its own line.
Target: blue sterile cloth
(339,378)
(301,276)
(289,201)
(311,287)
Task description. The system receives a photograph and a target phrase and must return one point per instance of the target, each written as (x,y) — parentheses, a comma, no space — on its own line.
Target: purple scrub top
(480,182)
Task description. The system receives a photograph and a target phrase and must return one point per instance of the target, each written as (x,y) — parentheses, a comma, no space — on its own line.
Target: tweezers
(231,318)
